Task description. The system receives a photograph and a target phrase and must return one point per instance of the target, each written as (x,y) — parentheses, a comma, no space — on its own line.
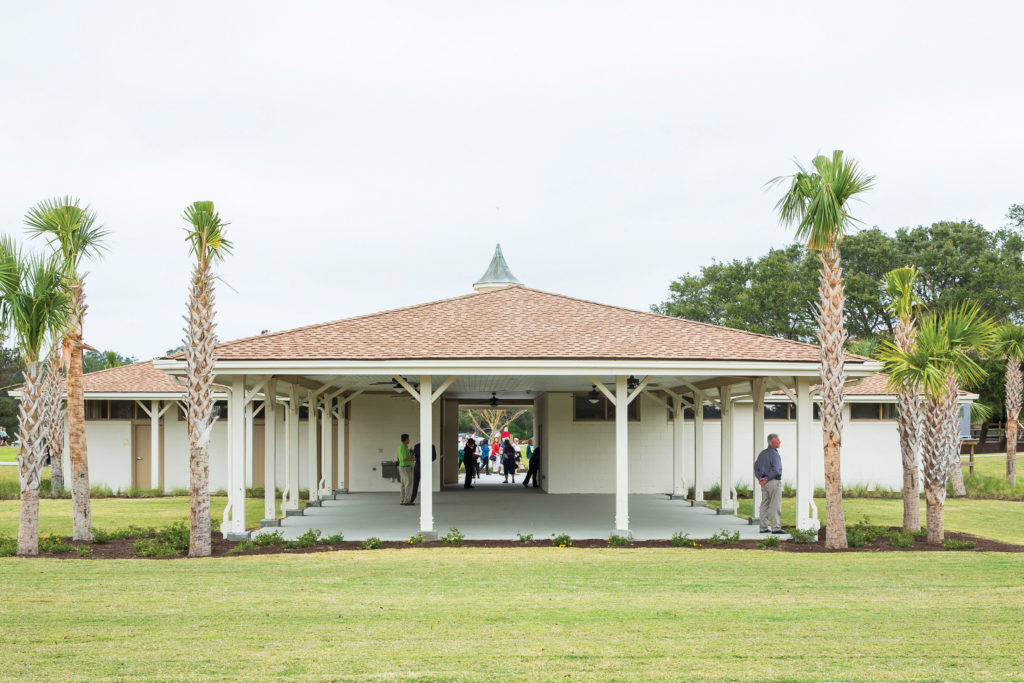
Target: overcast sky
(370,155)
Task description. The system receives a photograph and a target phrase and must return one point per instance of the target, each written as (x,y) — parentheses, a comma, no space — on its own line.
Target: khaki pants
(405,476)
(771,504)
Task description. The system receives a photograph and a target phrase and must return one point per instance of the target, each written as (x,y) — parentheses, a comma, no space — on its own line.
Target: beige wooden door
(142,458)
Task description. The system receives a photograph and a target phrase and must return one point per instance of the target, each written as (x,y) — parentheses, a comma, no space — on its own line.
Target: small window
(602,411)
(712,412)
(122,410)
(817,412)
(779,411)
(889,411)
(865,411)
(96,410)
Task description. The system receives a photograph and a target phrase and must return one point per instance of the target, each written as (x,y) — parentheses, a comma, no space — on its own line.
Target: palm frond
(980,412)
(40,306)
(205,233)
(70,229)
(900,285)
(1010,341)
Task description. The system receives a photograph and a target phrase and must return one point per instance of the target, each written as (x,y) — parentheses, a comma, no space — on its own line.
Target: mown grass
(114,513)
(664,614)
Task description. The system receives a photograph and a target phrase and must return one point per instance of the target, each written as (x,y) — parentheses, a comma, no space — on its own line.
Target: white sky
(370,155)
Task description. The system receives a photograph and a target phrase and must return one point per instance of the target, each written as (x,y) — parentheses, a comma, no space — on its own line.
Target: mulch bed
(122,548)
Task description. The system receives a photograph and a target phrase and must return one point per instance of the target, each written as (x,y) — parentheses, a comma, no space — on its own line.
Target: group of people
(473,458)
(506,454)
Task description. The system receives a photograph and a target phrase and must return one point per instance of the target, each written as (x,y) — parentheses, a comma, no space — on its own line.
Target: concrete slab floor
(500,512)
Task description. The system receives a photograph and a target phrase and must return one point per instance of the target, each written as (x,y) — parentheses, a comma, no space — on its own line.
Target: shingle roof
(137,378)
(517,323)
(875,385)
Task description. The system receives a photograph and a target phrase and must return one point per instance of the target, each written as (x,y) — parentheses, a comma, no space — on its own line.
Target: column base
(625,533)
(753,520)
(312,503)
(293,513)
(269,522)
(677,496)
(428,535)
(236,536)
(725,511)
(698,503)
(338,492)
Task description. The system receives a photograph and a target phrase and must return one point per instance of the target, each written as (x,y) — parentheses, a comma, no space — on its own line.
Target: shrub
(803,535)
(8,546)
(101,491)
(524,538)
(861,533)
(372,543)
(920,535)
(744,491)
(453,537)
(788,490)
(150,547)
(84,550)
(333,539)
(561,541)
(308,539)
(681,540)
(769,542)
(54,544)
(269,538)
(616,540)
(901,539)
(416,539)
(723,537)
(174,535)
(243,546)
(954,544)
(130,531)
(714,493)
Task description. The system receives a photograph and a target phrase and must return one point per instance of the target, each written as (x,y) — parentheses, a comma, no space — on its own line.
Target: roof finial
(497,274)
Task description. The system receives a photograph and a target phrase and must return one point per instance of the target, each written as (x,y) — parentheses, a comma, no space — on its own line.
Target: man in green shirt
(405,464)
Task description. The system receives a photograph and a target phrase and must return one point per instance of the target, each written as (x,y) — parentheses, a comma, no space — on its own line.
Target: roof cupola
(497,274)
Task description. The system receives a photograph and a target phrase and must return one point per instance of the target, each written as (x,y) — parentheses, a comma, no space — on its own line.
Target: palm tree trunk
(53,403)
(81,511)
(1013,399)
(935,462)
(30,465)
(199,358)
(908,422)
(953,440)
(832,338)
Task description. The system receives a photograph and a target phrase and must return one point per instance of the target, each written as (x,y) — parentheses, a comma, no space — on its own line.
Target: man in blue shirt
(768,470)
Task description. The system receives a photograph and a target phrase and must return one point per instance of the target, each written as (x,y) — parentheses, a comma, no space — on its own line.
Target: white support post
(342,454)
(806,511)
(247,482)
(270,453)
(326,448)
(154,445)
(698,450)
(311,455)
(292,452)
(426,449)
(757,393)
(235,527)
(728,505)
(621,457)
(678,485)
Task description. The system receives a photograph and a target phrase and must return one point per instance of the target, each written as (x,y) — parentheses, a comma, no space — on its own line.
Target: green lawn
(990,465)
(8,454)
(449,614)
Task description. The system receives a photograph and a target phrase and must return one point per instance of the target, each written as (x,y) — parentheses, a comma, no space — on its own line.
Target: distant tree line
(776,293)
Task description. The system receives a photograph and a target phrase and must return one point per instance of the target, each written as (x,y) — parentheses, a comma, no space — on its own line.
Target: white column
(621,457)
(292,452)
(426,448)
(698,449)
(757,392)
(678,488)
(154,444)
(236,460)
(728,504)
(248,444)
(270,450)
(804,446)
(326,449)
(312,480)
(342,454)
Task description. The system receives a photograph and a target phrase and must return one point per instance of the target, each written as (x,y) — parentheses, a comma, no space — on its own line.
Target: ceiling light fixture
(494,400)
(632,383)
(593,396)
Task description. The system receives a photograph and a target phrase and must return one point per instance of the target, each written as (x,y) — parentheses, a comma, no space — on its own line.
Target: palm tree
(72,232)
(112,359)
(1010,345)
(38,308)
(53,417)
(899,283)
(817,202)
(939,359)
(205,235)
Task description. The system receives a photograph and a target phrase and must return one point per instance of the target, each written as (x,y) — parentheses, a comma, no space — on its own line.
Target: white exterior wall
(377,422)
(109,444)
